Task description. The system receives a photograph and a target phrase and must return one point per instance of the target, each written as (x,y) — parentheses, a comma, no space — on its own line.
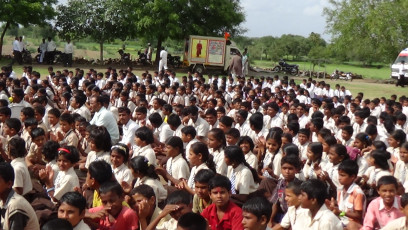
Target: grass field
(376,73)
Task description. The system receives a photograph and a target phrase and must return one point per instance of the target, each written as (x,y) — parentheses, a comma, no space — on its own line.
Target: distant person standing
(401,74)
(17,52)
(42,49)
(51,47)
(199,48)
(236,65)
(148,52)
(163,59)
(245,62)
(21,44)
(68,50)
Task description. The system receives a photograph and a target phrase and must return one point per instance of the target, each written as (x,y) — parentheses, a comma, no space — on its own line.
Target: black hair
(350,167)
(219,135)
(246,139)
(219,181)
(192,221)
(174,120)
(17,147)
(156,119)
(256,120)
(226,120)
(144,190)
(204,176)
(315,189)
(404,200)
(66,117)
(349,129)
(363,137)
(189,130)
(341,151)
(399,136)
(28,111)
(72,154)
(37,132)
(233,132)
(13,123)
(234,154)
(381,158)
(258,206)
(201,148)
(101,138)
(291,160)
(380,145)
(295,186)
(294,127)
(60,224)
(101,171)
(290,149)
(55,112)
(74,199)
(305,132)
(6,172)
(31,121)
(277,137)
(122,149)
(387,180)
(50,150)
(176,142)
(179,197)
(317,150)
(145,134)
(5,110)
(124,110)
(111,186)
(243,113)
(141,165)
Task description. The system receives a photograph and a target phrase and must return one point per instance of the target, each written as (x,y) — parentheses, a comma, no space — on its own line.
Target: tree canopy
(367,30)
(17,12)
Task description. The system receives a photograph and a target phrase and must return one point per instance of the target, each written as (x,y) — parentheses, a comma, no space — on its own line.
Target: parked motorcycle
(26,56)
(287,68)
(341,75)
(174,61)
(142,58)
(124,58)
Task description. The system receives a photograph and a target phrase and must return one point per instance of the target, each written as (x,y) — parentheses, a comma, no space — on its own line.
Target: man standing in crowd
(163,59)
(68,50)
(42,49)
(51,47)
(17,52)
(401,74)
(236,65)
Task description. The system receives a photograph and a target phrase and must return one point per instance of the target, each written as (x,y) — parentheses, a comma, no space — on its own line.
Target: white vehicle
(215,53)
(403,56)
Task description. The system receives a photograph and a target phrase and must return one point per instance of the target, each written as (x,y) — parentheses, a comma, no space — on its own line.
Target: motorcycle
(26,56)
(124,58)
(287,68)
(143,59)
(174,61)
(341,75)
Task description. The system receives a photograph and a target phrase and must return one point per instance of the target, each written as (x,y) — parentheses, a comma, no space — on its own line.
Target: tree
(17,12)
(368,30)
(177,19)
(101,20)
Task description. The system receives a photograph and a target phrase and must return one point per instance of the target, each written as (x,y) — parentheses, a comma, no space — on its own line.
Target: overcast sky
(277,17)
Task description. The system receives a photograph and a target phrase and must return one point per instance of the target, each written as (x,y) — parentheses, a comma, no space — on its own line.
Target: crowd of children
(89,150)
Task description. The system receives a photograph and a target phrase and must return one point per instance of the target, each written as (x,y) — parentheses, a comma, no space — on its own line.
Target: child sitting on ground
(256,213)
(112,214)
(400,223)
(22,182)
(202,199)
(72,208)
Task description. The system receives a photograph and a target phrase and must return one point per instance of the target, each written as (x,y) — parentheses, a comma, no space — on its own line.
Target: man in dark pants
(17,52)
(401,74)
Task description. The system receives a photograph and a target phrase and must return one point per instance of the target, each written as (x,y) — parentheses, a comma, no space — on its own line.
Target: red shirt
(232,218)
(126,220)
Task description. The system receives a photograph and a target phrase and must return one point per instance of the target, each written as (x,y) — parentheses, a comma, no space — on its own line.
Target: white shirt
(397,224)
(244,181)
(289,219)
(252,160)
(16,45)
(123,173)
(178,167)
(22,177)
(324,219)
(95,156)
(220,165)
(163,132)
(82,226)
(194,171)
(163,55)
(105,118)
(202,127)
(65,182)
(51,46)
(129,133)
(146,151)
(156,185)
(84,112)
(69,48)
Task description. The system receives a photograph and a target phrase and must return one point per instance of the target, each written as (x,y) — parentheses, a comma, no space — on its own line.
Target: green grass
(376,73)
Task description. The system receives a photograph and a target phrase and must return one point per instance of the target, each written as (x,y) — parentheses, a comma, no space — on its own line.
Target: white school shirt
(188,146)
(277,163)
(244,128)
(395,152)
(303,150)
(303,120)
(193,173)
(84,112)
(156,185)
(146,151)
(202,127)
(95,156)
(289,219)
(82,226)
(22,177)
(178,132)
(123,173)
(401,173)
(65,182)
(362,164)
(220,165)
(252,160)
(374,174)
(244,181)
(333,171)
(129,133)
(396,224)
(275,121)
(324,219)
(267,159)
(178,168)
(308,170)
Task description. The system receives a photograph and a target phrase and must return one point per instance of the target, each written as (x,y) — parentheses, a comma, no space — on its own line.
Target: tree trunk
(158,49)
(2,37)
(101,53)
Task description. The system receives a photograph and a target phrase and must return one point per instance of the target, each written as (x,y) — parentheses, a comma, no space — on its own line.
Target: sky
(277,17)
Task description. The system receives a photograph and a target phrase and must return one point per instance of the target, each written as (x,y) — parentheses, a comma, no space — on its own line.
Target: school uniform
(309,172)
(289,219)
(303,150)
(22,177)
(275,121)
(178,132)
(252,160)
(82,226)
(374,174)
(129,130)
(194,171)
(127,219)
(123,173)
(146,151)
(243,128)
(159,191)
(244,181)
(397,224)
(65,182)
(218,159)
(324,219)
(163,132)
(276,163)
(84,112)
(95,156)
(202,127)
(177,167)
(70,138)
(351,200)
(333,171)
(401,170)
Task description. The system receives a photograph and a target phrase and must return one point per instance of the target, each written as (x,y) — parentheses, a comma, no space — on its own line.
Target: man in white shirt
(17,52)
(163,59)
(68,50)
(42,49)
(401,75)
(129,127)
(104,117)
(51,47)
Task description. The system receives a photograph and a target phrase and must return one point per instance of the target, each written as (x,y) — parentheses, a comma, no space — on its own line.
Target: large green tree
(177,19)
(367,30)
(101,20)
(23,12)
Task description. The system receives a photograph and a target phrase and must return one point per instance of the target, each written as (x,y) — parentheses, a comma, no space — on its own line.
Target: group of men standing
(18,48)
